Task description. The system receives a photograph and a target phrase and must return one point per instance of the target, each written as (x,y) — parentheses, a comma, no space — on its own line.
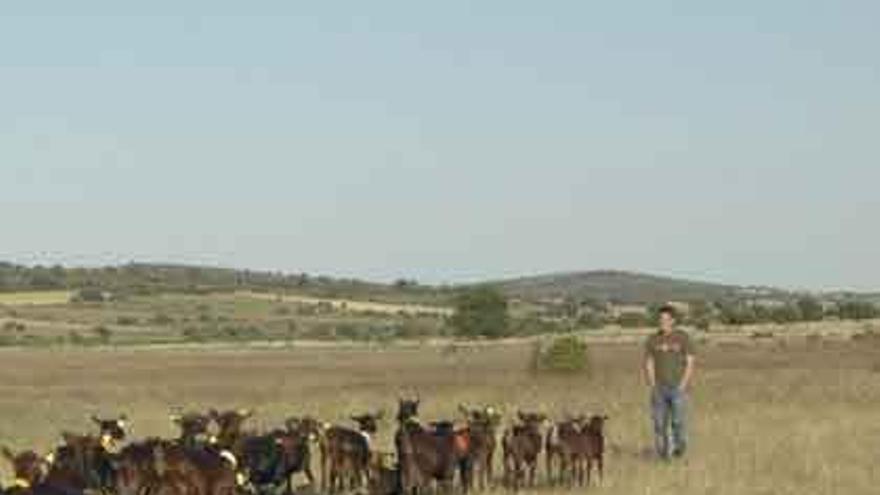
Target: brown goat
(561,449)
(482,425)
(594,450)
(427,455)
(521,445)
(345,453)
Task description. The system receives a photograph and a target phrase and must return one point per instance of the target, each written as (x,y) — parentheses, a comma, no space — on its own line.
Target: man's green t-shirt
(669,352)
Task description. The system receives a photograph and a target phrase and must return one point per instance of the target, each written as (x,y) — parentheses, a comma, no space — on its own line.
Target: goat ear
(245,413)
(8,453)
(213,413)
(175,418)
(96,420)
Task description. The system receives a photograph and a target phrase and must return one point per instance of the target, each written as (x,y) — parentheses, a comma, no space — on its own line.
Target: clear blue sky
(446,141)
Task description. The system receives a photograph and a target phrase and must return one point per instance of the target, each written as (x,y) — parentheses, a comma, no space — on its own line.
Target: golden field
(35,298)
(789,418)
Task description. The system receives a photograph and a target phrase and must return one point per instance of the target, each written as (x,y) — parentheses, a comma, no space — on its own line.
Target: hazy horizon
(451,142)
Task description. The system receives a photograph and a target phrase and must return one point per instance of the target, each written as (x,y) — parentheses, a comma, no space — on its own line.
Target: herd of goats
(215,455)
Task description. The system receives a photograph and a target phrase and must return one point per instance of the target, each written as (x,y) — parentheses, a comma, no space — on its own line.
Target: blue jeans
(668,413)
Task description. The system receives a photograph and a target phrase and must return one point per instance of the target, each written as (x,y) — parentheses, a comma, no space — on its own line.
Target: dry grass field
(348,304)
(36,298)
(765,419)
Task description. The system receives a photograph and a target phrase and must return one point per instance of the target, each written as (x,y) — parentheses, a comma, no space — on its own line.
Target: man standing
(669,366)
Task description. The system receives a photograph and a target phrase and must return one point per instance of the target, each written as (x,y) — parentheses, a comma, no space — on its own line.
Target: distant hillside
(149,278)
(615,286)
(621,287)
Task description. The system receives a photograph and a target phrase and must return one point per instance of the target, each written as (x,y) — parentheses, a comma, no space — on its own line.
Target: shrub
(127,320)
(89,294)
(281,310)
(480,312)
(565,354)
(810,309)
(14,326)
(291,330)
(858,310)
(162,319)
(192,334)
(102,333)
(591,321)
(348,331)
(633,319)
(536,326)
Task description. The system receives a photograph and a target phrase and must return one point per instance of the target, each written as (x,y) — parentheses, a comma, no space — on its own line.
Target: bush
(14,326)
(102,333)
(700,315)
(566,354)
(162,319)
(591,321)
(786,313)
(480,312)
(282,310)
(858,310)
(537,326)
(633,319)
(127,320)
(192,334)
(348,331)
(89,294)
(810,309)
(738,314)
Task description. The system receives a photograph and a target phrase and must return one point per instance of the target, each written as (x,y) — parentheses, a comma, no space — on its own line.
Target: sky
(446,141)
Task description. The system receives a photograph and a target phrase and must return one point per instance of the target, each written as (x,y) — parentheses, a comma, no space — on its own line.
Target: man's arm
(688,372)
(648,366)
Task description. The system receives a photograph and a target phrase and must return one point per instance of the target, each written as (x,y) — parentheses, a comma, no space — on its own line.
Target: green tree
(700,314)
(785,313)
(858,310)
(633,319)
(102,333)
(566,354)
(481,312)
(810,309)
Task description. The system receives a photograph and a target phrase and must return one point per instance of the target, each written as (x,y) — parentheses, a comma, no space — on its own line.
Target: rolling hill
(623,287)
(617,286)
